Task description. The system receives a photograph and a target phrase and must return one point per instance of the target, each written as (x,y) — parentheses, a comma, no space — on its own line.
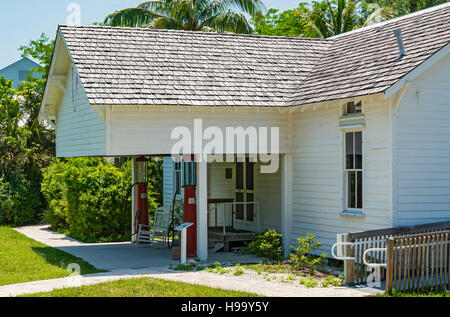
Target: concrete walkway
(124,260)
(120,255)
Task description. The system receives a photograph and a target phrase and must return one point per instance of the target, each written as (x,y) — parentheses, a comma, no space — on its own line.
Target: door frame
(244,223)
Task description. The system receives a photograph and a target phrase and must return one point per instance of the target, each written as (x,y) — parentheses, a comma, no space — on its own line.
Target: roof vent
(401,47)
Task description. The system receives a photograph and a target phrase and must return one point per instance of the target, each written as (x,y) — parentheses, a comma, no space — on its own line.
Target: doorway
(245,192)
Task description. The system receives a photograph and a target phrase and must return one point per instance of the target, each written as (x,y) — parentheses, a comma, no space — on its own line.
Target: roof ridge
(383,23)
(194,32)
(18,61)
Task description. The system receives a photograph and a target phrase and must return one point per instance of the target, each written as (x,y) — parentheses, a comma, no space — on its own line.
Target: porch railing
(357,243)
(233,206)
(418,262)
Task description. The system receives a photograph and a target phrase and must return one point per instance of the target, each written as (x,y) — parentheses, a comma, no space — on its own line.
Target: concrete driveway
(121,255)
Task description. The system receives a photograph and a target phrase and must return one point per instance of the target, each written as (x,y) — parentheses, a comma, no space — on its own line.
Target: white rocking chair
(161,223)
(144,235)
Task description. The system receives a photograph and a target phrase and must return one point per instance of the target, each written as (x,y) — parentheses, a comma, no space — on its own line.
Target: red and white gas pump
(190,207)
(141,179)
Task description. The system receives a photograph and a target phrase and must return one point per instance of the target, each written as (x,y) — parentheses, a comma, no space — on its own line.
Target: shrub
(89,199)
(95,196)
(55,192)
(20,200)
(302,257)
(268,245)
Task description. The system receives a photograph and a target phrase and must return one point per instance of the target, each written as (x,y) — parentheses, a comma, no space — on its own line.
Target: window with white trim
(353,171)
(178,175)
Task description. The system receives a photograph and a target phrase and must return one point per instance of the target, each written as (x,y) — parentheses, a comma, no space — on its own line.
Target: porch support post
(286,195)
(202,209)
(133,201)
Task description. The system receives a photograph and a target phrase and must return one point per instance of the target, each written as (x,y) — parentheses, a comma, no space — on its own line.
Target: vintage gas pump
(190,207)
(142,198)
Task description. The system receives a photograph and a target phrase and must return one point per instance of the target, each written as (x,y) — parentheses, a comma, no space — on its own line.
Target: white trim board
(417,71)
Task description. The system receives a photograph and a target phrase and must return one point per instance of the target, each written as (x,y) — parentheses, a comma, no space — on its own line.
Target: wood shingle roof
(132,66)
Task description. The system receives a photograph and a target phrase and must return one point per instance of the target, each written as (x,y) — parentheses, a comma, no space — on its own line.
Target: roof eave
(417,71)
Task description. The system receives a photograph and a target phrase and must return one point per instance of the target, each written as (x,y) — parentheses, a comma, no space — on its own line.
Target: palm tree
(193,15)
(332,17)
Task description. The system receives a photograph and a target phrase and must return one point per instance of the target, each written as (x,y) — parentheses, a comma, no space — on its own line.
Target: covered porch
(242,201)
(236,200)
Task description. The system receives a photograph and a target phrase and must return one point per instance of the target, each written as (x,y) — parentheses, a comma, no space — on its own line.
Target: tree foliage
(321,19)
(192,15)
(40,50)
(402,7)
(286,23)
(26,145)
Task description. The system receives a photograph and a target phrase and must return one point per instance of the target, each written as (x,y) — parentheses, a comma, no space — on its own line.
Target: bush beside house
(20,200)
(88,198)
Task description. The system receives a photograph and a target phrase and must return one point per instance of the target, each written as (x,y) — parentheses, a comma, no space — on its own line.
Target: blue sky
(24,20)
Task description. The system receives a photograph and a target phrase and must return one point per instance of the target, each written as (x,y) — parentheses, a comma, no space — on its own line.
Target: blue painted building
(19,70)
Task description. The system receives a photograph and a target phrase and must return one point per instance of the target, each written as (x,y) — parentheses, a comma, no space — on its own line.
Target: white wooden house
(19,70)
(364,117)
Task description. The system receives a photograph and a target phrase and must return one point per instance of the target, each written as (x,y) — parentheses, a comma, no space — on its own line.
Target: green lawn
(411,294)
(23,259)
(142,287)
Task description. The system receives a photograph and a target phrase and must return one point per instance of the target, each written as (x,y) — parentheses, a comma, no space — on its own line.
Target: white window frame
(178,173)
(244,191)
(346,209)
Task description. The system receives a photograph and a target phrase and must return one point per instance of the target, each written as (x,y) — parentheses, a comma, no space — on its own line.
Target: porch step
(215,245)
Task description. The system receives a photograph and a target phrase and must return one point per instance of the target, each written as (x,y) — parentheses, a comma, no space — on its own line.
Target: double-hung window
(353,171)
(178,175)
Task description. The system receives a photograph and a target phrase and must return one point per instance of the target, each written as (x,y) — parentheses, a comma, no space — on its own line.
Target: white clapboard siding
(134,132)
(80,131)
(12,72)
(317,178)
(423,148)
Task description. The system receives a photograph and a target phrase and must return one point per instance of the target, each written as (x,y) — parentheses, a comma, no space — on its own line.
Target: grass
(396,293)
(24,260)
(143,287)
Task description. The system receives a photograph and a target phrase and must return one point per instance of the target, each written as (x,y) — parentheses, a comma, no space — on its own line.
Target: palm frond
(229,21)
(165,23)
(162,7)
(131,17)
(379,15)
(189,15)
(250,7)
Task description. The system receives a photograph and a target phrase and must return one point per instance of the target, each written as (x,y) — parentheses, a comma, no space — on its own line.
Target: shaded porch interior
(240,201)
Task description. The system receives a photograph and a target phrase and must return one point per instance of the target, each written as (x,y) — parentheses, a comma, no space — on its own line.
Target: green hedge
(20,200)
(89,199)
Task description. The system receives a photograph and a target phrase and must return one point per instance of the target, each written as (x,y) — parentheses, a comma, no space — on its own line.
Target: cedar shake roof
(137,66)
(365,62)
